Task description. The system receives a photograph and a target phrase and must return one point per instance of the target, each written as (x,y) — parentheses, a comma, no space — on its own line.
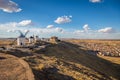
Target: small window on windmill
(21,43)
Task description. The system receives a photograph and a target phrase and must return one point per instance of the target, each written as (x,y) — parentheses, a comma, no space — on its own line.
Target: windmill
(21,39)
(33,39)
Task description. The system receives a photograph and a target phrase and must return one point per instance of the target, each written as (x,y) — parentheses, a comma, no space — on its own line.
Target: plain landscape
(69,59)
(59,39)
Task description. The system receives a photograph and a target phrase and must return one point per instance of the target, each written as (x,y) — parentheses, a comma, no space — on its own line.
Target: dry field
(115,60)
(4,42)
(101,47)
(70,60)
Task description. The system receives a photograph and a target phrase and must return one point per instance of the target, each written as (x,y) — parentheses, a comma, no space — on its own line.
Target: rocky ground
(66,61)
(13,68)
(100,47)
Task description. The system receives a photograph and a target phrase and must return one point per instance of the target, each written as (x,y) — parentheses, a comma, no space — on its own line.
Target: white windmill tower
(35,38)
(21,39)
(31,39)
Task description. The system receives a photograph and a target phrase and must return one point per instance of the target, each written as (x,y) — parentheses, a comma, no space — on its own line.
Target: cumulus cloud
(50,26)
(86,27)
(9,25)
(63,19)
(59,29)
(9,6)
(16,24)
(11,30)
(25,23)
(46,30)
(95,1)
(107,30)
(78,31)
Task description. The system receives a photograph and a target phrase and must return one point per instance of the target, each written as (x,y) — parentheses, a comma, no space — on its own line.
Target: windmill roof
(21,36)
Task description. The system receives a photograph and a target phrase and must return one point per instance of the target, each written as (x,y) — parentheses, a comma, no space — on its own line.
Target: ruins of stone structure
(54,39)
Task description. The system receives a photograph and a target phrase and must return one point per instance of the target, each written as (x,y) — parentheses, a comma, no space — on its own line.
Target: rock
(13,68)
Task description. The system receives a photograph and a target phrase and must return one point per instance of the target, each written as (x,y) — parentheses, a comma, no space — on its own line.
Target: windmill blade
(14,41)
(20,32)
(26,32)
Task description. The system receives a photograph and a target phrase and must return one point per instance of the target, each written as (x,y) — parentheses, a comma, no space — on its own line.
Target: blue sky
(88,19)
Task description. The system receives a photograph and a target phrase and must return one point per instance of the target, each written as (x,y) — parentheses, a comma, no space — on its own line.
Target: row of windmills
(33,39)
(21,39)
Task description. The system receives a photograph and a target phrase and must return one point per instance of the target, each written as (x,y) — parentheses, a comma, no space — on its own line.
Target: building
(54,39)
(35,38)
(31,39)
(21,40)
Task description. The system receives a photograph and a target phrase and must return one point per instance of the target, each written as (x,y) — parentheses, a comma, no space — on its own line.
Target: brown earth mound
(13,68)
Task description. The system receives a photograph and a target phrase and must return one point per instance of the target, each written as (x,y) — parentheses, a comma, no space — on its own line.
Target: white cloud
(25,23)
(46,30)
(59,29)
(16,24)
(95,1)
(9,25)
(11,30)
(9,6)
(107,30)
(13,26)
(78,31)
(63,19)
(86,27)
(50,26)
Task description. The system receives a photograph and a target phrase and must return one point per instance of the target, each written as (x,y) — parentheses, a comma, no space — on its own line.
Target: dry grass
(5,42)
(66,61)
(111,59)
(109,42)
(73,61)
(104,47)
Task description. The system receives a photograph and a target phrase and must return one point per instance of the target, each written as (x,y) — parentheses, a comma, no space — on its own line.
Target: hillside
(67,61)
(101,47)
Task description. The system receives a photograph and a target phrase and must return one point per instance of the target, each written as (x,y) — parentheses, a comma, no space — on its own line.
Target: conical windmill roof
(21,36)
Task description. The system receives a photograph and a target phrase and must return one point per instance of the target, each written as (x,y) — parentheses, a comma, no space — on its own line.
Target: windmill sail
(21,39)
(21,34)
(14,41)
(26,33)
